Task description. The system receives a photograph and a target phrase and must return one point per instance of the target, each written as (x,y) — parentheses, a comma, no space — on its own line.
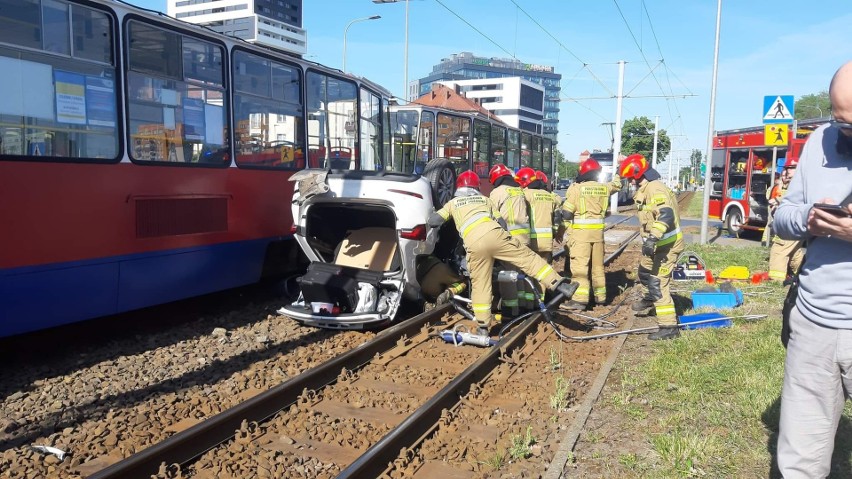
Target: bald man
(818,366)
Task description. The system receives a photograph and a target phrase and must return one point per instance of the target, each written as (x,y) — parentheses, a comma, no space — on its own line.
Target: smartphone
(836,210)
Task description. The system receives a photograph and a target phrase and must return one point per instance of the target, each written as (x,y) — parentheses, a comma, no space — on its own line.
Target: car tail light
(409,193)
(293,229)
(418,233)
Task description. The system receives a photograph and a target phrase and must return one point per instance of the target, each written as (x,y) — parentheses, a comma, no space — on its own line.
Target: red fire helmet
(589,165)
(634,166)
(497,171)
(541,176)
(468,179)
(525,176)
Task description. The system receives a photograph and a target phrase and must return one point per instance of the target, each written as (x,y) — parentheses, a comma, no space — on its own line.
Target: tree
(565,168)
(696,158)
(637,136)
(815,105)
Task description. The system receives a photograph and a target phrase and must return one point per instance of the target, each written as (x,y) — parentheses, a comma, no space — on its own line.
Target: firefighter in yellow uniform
(784,254)
(583,212)
(485,240)
(659,225)
(542,207)
(509,199)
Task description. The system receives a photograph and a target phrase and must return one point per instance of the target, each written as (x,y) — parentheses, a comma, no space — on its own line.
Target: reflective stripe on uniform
(543,272)
(598,226)
(480,307)
(510,302)
(542,233)
(519,229)
(588,221)
(665,309)
(670,237)
(475,220)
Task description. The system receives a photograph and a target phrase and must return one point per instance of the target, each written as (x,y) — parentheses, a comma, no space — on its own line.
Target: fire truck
(743,170)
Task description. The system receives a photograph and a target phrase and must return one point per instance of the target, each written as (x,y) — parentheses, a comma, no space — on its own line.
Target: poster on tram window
(70,97)
(193,119)
(100,101)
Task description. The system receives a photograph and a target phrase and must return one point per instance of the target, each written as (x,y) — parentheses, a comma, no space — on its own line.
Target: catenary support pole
(708,160)
(616,150)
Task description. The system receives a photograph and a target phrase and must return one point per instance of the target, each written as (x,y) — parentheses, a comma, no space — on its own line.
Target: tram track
(314,419)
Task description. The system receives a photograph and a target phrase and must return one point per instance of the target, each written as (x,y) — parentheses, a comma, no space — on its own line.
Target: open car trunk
(356,276)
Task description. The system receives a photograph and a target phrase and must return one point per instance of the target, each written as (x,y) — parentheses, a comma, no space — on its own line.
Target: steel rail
(408,433)
(195,441)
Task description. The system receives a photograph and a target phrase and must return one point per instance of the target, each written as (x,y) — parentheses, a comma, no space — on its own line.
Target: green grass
(708,402)
(695,206)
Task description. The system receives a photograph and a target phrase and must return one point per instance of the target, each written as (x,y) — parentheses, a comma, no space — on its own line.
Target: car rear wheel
(442,177)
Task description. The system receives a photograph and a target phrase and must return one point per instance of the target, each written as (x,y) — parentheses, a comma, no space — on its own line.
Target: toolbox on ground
(335,284)
(717,299)
(694,318)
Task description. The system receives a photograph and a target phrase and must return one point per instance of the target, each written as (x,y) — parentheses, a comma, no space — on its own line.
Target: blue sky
(766,48)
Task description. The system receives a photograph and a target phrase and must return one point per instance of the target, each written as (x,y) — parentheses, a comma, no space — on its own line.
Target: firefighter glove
(649,246)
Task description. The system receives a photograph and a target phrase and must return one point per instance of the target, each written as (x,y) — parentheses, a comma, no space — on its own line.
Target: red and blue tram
(144,160)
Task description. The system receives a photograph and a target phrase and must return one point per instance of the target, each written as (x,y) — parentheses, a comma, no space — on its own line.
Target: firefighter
(583,212)
(509,199)
(659,225)
(438,282)
(485,240)
(542,209)
(784,254)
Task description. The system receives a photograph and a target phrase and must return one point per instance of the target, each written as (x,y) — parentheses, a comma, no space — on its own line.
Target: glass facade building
(466,66)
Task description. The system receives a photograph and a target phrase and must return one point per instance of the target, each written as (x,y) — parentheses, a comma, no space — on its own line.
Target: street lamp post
(405,55)
(346,30)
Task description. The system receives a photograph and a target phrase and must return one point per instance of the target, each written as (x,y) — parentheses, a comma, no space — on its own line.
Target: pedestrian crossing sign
(778,109)
(775,135)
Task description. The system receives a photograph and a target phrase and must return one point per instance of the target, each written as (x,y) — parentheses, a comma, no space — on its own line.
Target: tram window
(371,132)
(58,104)
(536,152)
(526,150)
(92,35)
(481,147)
(497,154)
(331,121)
(424,140)
(547,158)
(176,114)
(269,132)
(514,149)
(453,138)
(56,26)
(21,23)
(403,125)
(202,62)
(154,50)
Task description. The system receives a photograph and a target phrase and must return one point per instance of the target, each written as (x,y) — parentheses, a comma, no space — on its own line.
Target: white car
(362,232)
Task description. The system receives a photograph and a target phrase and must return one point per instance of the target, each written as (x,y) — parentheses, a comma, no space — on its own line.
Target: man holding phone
(784,254)
(817,378)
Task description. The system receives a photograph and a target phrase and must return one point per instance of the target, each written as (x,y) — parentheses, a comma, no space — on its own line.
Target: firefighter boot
(665,332)
(642,308)
(567,289)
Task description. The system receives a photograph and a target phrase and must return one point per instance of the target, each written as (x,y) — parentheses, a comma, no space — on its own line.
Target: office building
(466,66)
(515,101)
(273,23)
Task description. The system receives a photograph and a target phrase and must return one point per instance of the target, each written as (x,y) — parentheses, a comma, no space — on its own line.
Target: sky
(782,47)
